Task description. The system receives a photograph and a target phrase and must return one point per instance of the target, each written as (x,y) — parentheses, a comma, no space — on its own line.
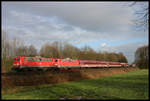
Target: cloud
(103,44)
(49,28)
(98,18)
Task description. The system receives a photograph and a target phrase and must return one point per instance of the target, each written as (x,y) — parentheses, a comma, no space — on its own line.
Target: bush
(7,65)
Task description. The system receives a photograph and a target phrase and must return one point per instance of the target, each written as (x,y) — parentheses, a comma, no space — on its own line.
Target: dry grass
(29,79)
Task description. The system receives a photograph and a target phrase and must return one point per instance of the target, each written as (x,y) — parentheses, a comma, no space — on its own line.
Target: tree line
(142,57)
(13,48)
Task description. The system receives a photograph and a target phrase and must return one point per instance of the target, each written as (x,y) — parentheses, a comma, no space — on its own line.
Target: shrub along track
(50,77)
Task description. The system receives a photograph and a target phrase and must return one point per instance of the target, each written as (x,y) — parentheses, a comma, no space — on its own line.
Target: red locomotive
(42,63)
(67,63)
(29,63)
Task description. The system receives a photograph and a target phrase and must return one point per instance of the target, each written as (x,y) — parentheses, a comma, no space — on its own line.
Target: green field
(133,85)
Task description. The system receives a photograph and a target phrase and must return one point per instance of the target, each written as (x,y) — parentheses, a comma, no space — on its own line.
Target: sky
(104,26)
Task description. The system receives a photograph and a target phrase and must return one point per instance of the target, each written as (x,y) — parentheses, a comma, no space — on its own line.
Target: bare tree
(141,57)
(142,15)
(4,38)
(7,52)
(49,50)
(14,44)
(32,51)
(22,51)
(7,47)
(70,51)
(88,53)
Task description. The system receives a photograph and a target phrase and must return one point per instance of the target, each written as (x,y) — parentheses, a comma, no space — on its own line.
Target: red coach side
(91,63)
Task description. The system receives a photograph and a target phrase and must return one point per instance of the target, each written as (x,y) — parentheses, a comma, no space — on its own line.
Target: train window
(30,59)
(44,59)
(66,60)
(49,59)
(36,59)
(73,61)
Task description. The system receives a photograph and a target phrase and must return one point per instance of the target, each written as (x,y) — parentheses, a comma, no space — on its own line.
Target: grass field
(132,85)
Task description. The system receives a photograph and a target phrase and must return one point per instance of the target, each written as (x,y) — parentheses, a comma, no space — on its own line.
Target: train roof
(29,57)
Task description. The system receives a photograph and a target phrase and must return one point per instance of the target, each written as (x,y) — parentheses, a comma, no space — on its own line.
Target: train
(21,63)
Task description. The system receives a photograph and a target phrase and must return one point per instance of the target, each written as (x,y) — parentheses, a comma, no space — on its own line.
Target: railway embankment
(52,77)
